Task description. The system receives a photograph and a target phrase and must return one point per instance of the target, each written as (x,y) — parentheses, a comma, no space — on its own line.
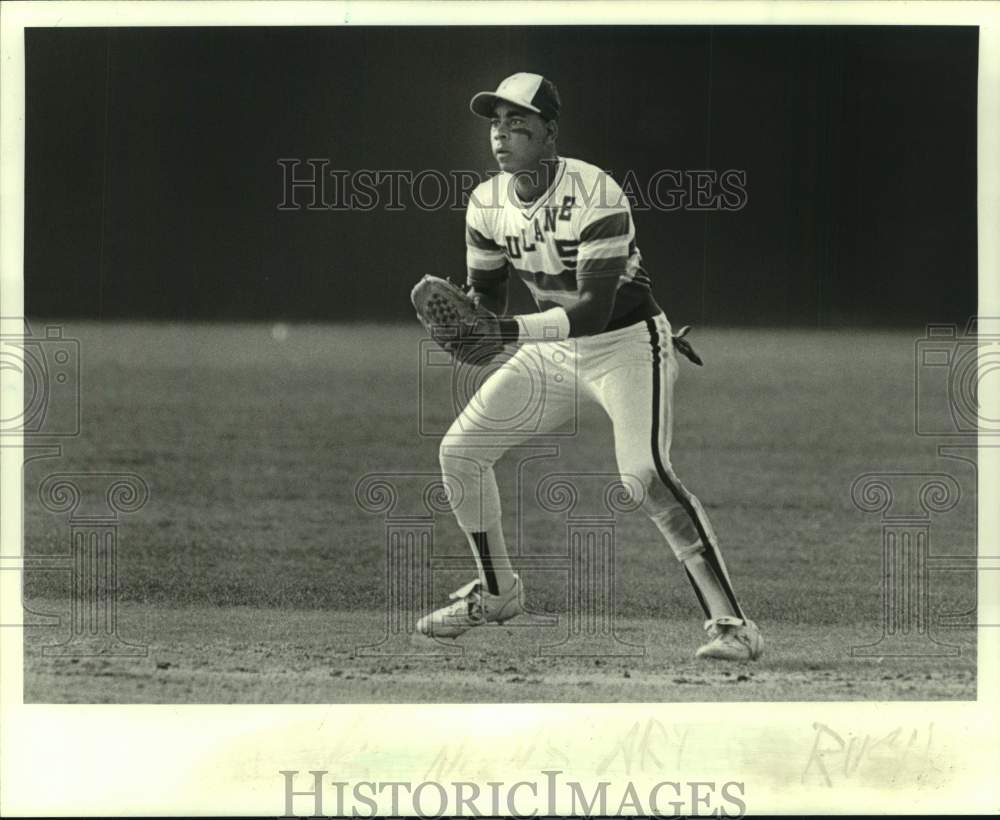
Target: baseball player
(564,228)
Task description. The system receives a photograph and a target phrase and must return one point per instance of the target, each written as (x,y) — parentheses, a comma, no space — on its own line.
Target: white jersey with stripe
(580,227)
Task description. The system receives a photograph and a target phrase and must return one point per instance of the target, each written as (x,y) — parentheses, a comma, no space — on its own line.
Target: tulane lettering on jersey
(527,241)
(580,227)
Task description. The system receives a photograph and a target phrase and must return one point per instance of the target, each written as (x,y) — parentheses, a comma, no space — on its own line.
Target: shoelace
(470,604)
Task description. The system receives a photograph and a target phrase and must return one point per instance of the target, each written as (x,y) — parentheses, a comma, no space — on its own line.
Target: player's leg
(521,398)
(637,395)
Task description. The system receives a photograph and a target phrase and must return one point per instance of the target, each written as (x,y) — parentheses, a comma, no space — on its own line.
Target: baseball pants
(630,372)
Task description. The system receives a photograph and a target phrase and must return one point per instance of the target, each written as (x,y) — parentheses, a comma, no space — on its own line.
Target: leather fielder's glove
(683,346)
(456,321)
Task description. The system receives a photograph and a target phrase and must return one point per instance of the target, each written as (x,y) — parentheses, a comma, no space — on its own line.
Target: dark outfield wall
(153,180)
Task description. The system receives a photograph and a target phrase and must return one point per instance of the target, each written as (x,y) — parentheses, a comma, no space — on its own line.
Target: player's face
(520,139)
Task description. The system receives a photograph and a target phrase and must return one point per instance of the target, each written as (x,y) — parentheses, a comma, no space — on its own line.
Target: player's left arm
(597,300)
(589,315)
(601,261)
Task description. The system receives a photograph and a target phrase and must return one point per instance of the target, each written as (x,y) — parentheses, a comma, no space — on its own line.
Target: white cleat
(473,606)
(732,639)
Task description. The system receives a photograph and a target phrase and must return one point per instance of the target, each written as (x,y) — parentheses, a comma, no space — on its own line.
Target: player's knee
(451,448)
(459,453)
(659,488)
(639,481)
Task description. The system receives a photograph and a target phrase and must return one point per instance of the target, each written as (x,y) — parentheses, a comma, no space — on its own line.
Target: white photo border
(225,760)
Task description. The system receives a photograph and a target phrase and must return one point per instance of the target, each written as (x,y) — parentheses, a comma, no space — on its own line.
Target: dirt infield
(253,573)
(272,656)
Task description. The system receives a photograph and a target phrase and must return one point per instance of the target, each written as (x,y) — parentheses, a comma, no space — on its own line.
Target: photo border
(225,760)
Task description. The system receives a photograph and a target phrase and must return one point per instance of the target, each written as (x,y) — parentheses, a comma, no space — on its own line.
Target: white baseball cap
(531,91)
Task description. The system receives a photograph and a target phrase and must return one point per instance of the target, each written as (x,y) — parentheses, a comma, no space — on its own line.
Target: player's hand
(483,325)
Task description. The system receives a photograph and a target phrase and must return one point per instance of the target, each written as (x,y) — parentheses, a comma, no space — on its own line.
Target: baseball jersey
(580,227)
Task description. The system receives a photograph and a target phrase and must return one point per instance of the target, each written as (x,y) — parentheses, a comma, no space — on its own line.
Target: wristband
(551,325)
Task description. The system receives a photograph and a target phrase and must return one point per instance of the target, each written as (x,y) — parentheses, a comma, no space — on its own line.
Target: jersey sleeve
(606,232)
(485,260)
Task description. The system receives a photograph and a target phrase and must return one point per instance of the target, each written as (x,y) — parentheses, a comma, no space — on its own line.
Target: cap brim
(485,102)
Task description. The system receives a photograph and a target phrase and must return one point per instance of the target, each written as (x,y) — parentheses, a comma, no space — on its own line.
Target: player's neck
(532,184)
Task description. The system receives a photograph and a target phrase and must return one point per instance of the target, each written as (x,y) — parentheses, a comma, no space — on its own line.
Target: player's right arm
(486,262)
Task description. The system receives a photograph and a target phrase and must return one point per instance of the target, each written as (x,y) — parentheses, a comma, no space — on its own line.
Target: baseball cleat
(732,639)
(473,606)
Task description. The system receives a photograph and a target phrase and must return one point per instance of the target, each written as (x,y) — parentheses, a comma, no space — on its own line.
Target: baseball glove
(456,321)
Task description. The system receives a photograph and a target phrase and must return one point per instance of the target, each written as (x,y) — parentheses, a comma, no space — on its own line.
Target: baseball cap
(531,91)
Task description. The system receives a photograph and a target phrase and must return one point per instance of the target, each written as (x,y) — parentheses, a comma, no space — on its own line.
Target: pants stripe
(483,548)
(711,550)
(697,591)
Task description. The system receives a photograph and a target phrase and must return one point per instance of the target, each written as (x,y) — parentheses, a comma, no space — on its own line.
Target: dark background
(153,182)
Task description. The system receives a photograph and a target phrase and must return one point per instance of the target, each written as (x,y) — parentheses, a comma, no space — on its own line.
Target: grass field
(253,575)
